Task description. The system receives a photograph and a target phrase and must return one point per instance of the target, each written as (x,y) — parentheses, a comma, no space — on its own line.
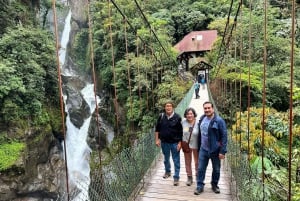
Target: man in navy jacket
(168,136)
(213,145)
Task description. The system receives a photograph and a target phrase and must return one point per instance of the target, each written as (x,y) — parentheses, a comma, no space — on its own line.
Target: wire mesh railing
(121,179)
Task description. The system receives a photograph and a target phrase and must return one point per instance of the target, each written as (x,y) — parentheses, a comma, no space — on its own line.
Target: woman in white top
(189,123)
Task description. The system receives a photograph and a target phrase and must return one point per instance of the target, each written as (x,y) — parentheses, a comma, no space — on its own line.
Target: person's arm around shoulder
(223,133)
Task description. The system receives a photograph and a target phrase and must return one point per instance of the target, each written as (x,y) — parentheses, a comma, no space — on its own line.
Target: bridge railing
(120,180)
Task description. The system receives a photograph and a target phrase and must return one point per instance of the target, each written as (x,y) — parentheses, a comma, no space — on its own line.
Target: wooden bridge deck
(158,189)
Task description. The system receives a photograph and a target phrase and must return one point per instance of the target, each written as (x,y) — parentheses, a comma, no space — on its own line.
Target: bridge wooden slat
(158,189)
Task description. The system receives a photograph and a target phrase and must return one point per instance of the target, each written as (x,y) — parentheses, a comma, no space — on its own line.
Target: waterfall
(64,42)
(77,149)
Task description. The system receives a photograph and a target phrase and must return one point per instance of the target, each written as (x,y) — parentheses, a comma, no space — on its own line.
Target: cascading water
(77,149)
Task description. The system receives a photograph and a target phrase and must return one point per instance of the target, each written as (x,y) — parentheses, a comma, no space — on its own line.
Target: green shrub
(9,153)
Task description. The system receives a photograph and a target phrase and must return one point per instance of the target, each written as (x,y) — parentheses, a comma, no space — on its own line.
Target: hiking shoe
(198,191)
(189,181)
(176,182)
(215,188)
(166,175)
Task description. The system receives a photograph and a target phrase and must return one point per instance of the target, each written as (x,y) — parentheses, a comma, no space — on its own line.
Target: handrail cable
(94,76)
(264,97)
(149,25)
(291,99)
(60,95)
(113,68)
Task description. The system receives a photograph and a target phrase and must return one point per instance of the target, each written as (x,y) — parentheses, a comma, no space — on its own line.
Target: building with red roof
(193,47)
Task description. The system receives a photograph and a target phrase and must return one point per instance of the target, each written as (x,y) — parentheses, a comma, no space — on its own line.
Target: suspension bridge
(135,173)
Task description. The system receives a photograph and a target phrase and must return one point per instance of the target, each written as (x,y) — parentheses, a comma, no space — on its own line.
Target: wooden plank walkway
(158,189)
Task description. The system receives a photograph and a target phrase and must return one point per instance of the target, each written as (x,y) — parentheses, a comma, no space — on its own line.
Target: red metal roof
(197,41)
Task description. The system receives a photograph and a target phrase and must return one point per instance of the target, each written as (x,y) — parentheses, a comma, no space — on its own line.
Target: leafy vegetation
(9,153)
(139,71)
(274,144)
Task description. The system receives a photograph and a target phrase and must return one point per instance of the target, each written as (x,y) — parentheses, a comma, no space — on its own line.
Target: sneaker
(166,175)
(176,182)
(189,181)
(198,191)
(215,188)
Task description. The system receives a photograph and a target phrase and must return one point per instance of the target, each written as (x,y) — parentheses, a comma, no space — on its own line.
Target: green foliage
(257,166)
(81,49)
(9,153)
(30,68)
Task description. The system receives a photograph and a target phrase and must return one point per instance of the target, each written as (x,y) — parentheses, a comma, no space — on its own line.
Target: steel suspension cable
(61,96)
(152,78)
(128,71)
(291,100)
(228,38)
(225,30)
(138,72)
(240,83)
(237,152)
(94,76)
(146,76)
(149,25)
(113,68)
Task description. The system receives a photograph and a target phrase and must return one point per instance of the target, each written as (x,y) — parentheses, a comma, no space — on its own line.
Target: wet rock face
(78,109)
(39,174)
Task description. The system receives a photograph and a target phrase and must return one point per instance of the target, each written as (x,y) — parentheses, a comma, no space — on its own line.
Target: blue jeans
(168,148)
(204,157)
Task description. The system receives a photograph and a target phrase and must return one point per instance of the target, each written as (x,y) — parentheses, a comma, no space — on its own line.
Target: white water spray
(78,151)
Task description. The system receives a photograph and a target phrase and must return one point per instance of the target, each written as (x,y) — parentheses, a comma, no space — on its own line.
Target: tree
(30,66)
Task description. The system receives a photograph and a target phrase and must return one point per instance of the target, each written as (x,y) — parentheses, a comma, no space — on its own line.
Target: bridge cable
(228,38)
(61,95)
(291,98)
(94,77)
(240,82)
(241,69)
(152,76)
(149,25)
(128,73)
(264,96)
(225,30)
(113,69)
(134,30)
(249,79)
(138,72)
(237,152)
(146,76)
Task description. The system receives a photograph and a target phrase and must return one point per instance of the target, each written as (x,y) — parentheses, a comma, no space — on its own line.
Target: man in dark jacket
(213,145)
(168,135)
